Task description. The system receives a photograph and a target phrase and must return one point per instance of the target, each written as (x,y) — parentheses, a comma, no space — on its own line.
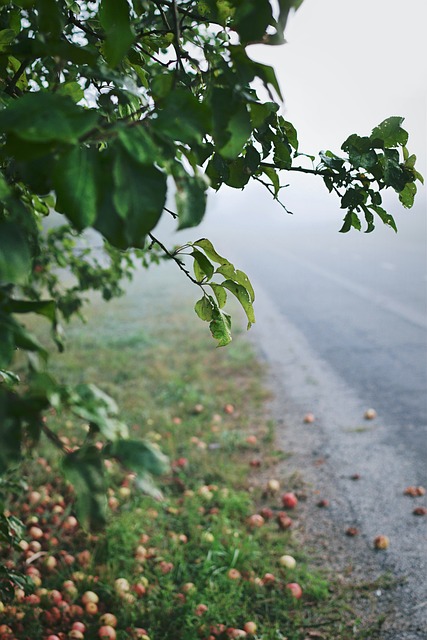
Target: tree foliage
(107,108)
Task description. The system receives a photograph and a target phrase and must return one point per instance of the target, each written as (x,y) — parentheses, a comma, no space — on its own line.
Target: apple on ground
(289,500)
(287,561)
(295,589)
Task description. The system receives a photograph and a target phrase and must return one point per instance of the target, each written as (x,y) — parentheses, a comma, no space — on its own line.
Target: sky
(347,65)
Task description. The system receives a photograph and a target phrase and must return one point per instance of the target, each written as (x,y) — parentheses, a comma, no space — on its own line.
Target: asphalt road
(363,311)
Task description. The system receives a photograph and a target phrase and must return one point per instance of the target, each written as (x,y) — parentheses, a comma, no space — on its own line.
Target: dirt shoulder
(325,458)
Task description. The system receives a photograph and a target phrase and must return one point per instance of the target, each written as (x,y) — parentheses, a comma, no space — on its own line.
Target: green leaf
(90,403)
(268,75)
(220,293)
(353,198)
(239,131)
(251,19)
(291,133)
(9,378)
(261,112)
(6,37)
(231,273)
(27,341)
(47,117)
(145,483)
(51,17)
(351,220)
(182,117)
(239,174)
(115,20)
(139,144)
(84,468)
(231,120)
(385,217)
(203,268)
(282,154)
(139,456)
(220,327)
(360,151)
(210,251)
(330,160)
(190,198)
(73,90)
(407,195)
(74,180)
(395,175)
(45,308)
(369,219)
(271,173)
(243,297)
(162,84)
(204,308)
(139,196)
(390,132)
(15,255)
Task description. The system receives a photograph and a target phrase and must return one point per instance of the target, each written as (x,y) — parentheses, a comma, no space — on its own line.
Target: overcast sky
(347,66)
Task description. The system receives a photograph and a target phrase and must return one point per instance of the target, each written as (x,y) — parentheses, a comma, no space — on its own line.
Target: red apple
(295,589)
(289,500)
(108,619)
(107,632)
(254,521)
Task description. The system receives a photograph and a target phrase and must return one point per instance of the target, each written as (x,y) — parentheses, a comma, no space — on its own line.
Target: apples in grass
(107,632)
(295,589)
(250,627)
(287,561)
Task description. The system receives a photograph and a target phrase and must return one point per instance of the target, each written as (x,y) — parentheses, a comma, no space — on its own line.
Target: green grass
(158,361)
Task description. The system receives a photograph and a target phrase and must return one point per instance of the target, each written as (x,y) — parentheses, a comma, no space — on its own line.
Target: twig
(270,189)
(56,440)
(172,213)
(11,85)
(177,261)
(90,32)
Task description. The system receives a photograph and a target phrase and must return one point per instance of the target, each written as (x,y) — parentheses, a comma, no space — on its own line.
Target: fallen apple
(289,500)
(287,561)
(370,414)
(381,542)
(273,485)
(107,632)
(250,627)
(295,589)
(309,418)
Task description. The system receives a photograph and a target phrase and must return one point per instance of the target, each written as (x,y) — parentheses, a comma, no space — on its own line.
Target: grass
(199,404)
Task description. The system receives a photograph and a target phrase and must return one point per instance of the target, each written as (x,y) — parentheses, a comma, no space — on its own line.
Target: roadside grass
(192,565)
